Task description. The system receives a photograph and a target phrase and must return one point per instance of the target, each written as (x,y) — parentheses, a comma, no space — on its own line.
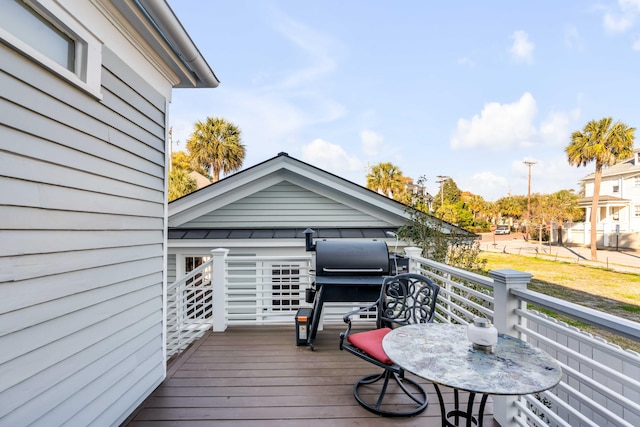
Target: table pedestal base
(458,414)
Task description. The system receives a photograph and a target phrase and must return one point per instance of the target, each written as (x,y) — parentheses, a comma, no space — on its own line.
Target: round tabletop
(441,353)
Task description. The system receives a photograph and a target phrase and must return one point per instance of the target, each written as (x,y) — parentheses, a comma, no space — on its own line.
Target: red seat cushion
(371,343)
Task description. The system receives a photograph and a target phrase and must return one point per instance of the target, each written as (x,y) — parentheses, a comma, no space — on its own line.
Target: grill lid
(351,258)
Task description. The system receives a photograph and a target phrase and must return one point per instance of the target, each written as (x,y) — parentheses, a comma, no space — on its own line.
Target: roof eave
(178,38)
(164,35)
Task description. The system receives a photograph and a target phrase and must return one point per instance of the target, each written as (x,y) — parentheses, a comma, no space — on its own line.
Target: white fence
(601,381)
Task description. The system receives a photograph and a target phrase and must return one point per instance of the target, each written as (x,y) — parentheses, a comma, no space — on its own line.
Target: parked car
(502,229)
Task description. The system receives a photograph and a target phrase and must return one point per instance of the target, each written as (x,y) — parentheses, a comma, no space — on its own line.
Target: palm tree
(215,146)
(386,179)
(476,204)
(605,143)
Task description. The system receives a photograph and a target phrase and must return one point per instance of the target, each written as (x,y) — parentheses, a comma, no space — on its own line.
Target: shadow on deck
(250,376)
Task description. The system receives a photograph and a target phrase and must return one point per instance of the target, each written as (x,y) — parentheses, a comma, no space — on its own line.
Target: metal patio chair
(404,299)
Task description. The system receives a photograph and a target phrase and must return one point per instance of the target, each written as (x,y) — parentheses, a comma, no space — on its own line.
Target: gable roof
(623,167)
(279,172)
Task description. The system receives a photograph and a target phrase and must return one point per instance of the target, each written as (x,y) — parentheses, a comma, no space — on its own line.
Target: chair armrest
(347,317)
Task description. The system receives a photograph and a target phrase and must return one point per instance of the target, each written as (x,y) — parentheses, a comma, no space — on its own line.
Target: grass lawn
(604,290)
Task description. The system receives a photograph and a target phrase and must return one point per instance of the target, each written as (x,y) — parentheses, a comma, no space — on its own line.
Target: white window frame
(291,299)
(88,48)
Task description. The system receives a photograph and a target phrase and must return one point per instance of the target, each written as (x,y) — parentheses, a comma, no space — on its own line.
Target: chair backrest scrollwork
(406,299)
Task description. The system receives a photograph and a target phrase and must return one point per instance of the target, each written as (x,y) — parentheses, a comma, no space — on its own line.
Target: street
(514,243)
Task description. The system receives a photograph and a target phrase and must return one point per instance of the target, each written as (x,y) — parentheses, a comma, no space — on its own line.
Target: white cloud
(467,61)
(498,126)
(522,49)
(617,23)
(547,176)
(275,109)
(488,185)
(632,5)
(333,158)
(624,18)
(636,45)
(320,50)
(556,128)
(371,142)
(572,38)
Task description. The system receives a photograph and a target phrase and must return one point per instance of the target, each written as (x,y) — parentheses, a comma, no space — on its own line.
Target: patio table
(441,353)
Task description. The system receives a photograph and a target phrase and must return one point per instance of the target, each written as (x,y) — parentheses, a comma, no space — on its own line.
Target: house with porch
(86,87)
(618,214)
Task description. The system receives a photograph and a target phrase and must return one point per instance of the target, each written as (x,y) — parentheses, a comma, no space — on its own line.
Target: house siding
(285,204)
(81,244)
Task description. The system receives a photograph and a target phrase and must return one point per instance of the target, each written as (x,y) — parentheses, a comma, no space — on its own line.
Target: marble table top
(441,353)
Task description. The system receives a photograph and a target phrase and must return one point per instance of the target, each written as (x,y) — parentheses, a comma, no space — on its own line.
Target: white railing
(265,290)
(601,381)
(236,290)
(189,308)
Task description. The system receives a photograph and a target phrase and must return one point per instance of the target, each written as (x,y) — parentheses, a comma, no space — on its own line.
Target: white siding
(81,245)
(285,204)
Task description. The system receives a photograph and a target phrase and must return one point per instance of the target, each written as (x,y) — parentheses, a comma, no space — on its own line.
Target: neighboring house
(85,88)
(201,180)
(264,210)
(618,204)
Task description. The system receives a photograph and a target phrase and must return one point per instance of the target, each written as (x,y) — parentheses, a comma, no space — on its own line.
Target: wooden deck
(257,376)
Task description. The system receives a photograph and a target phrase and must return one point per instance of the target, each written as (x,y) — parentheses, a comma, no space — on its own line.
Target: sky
(464,89)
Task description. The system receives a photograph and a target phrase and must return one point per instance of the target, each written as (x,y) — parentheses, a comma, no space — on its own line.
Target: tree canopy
(180,184)
(215,147)
(386,178)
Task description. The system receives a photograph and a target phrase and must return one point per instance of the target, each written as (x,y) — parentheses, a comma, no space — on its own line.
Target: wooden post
(506,319)
(219,289)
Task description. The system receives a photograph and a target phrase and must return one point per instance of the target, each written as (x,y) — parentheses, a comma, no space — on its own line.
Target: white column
(506,319)
(219,285)
(411,252)
(586,237)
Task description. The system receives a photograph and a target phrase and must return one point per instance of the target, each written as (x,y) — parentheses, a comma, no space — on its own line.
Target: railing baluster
(230,290)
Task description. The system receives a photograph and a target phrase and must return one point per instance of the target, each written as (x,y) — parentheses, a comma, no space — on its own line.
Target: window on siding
(23,22)
(48,34)
(636,181)
(636,209)
(616,188)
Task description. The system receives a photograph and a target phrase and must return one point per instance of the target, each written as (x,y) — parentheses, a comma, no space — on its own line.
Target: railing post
(218,285)
(506,319)
(412,252)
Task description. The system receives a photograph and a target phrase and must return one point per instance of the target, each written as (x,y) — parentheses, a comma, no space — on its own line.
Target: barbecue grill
(346,271)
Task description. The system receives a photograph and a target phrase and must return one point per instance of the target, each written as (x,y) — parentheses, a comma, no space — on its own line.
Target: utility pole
(441,180)
(529,163)
(170,134)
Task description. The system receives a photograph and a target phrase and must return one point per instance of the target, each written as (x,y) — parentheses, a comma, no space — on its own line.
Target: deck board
(248,376)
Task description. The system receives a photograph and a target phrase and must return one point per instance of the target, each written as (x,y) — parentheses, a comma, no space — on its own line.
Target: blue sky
(464,89)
